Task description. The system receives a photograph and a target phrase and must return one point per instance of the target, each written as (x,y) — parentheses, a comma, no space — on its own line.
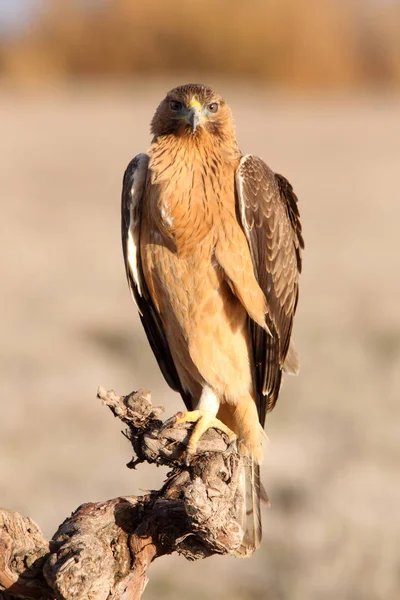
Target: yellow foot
(204,420)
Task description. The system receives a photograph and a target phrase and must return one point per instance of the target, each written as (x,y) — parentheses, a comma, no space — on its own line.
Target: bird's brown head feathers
(192,110)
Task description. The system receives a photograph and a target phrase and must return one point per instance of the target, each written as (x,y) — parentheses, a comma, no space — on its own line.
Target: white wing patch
(132,255)
(239,183)
(138,180)
(166,217)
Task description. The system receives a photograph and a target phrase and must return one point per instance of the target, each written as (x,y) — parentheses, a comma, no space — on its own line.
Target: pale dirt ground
(68,324)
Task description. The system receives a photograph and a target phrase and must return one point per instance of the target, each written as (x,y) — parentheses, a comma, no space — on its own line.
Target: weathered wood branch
(103,550)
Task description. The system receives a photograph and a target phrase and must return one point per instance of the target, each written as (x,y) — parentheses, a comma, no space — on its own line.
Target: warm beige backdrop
(299,44)
(68,324)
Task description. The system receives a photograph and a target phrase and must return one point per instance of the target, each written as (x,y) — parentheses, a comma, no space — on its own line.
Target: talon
(204,420)
(187,458)
(231,446)
(169,423)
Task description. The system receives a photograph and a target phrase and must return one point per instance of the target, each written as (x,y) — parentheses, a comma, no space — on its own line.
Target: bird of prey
(212,246)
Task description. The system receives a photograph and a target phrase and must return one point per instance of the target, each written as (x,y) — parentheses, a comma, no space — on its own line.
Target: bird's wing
(133,189)
(267,207)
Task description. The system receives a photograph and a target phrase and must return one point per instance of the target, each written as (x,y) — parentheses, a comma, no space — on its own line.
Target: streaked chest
(189,190)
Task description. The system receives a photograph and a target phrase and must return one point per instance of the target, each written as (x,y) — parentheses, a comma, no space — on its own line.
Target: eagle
(212,245)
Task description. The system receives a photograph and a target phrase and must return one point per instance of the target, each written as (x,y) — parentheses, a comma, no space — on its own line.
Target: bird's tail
(251,519)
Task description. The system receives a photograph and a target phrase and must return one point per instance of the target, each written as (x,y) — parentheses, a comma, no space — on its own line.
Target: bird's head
(190,110)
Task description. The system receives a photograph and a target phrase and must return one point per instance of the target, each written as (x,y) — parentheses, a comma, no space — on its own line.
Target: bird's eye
(175,105)
(213,107)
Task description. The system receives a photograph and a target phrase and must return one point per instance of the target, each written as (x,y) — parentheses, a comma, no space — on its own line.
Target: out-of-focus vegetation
(314,43)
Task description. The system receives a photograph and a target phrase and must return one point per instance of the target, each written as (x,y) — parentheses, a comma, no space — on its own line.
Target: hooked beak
(194,115)
(194,118)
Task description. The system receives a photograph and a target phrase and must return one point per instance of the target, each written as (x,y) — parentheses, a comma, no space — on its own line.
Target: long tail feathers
(292,361)
(251,521)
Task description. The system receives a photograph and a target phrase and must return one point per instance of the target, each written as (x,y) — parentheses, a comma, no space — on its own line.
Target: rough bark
(103,550)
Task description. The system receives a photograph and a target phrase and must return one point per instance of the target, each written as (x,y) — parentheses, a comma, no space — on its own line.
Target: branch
(104,549)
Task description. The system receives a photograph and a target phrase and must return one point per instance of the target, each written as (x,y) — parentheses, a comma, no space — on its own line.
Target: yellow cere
(195,104)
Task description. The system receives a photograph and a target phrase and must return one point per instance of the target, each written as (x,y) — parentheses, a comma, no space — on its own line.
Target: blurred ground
(68,324)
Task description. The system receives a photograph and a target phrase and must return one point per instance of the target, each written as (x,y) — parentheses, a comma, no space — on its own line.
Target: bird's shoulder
(267,199)
(135,173)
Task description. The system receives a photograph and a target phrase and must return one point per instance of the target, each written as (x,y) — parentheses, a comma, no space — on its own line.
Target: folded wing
(133,194)
(267,207)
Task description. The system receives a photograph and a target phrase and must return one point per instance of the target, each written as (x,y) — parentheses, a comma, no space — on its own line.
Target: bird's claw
(231,447)
(170,423)
(187,457)
(203,421)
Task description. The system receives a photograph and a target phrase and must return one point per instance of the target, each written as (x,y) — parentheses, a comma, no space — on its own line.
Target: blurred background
(314,87)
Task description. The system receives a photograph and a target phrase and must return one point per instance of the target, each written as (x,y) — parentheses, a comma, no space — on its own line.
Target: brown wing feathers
(286,191)
(270,220)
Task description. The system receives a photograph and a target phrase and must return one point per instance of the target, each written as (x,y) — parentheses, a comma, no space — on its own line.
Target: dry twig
(103,551)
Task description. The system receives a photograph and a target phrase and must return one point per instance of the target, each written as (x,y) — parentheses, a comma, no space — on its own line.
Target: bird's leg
(204,420)
(205,417)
